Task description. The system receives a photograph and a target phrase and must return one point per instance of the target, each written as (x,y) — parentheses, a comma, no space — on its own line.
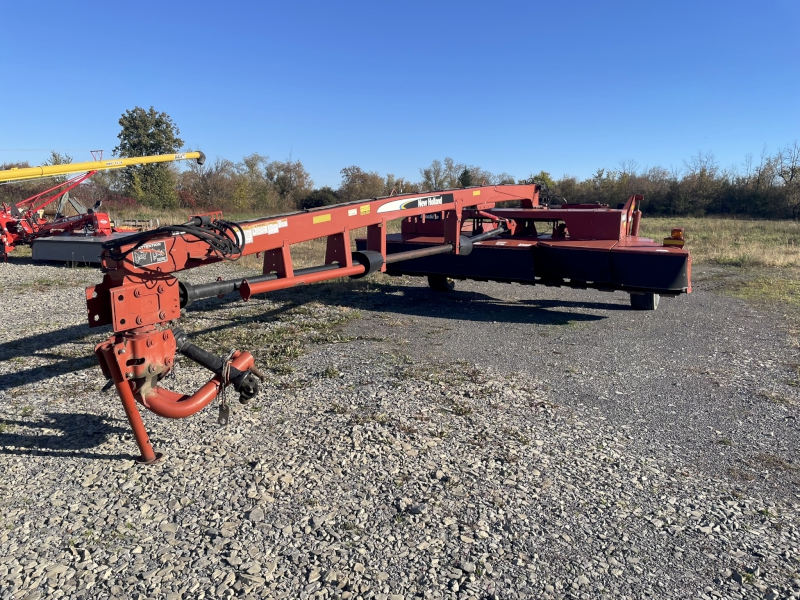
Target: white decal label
(418,202)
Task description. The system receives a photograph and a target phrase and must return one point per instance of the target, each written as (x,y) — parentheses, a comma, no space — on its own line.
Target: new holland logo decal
(418,202)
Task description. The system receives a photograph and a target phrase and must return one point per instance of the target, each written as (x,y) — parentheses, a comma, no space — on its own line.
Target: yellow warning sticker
(364,209)
(322,218)
(476,192)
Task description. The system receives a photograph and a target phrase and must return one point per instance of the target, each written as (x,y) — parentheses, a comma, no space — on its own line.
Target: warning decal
(270,228)
(150,254)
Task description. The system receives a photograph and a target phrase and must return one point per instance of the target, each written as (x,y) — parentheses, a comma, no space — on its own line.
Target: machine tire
(440,283)
(648,301)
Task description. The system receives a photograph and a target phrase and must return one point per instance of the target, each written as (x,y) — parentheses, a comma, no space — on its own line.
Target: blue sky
(565,87)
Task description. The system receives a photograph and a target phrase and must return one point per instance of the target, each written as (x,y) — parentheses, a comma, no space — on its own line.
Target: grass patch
(517,436)
(774,463)
(330,373)
(407,429)
(768,290)
(278,337)
(461,410)
(374,417)
(739,474)
(743,243)
(41,284)
(778,398)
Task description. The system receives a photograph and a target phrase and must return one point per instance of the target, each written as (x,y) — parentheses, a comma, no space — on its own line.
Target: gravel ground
(500,441)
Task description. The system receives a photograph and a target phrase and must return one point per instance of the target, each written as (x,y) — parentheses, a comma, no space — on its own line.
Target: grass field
(763,257)
(734,242)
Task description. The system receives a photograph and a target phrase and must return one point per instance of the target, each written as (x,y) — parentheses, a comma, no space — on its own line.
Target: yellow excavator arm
(95,165)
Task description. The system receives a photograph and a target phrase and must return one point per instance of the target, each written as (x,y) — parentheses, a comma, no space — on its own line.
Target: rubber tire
(440,283)
(644,301)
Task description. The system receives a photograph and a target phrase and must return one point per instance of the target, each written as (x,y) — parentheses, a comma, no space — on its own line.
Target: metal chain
(224,409)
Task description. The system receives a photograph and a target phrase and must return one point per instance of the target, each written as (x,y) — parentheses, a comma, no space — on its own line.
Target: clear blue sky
(565,86)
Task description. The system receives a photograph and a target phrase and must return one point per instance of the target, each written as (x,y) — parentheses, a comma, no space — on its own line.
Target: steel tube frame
(138,293)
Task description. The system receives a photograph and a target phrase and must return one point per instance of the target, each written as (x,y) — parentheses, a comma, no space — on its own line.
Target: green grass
(40,284)
(330,373)
(275,341)
(339,409)
(743,243)
(763,257)
(768,290)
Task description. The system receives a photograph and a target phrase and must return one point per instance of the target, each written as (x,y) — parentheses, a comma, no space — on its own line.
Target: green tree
(290,180)
(465,179)
(358,184)
(321,197)
(544,177)
(56,158)
(147,133)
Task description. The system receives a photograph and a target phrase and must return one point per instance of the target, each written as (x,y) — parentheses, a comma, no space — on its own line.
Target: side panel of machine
(665,271)
(71,248)
(576,264)
(600,265)
(484,263)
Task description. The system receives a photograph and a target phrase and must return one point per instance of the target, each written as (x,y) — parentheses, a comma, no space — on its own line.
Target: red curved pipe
(173,405)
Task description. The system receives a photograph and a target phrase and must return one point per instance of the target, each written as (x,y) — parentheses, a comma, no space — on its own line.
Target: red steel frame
(140,301)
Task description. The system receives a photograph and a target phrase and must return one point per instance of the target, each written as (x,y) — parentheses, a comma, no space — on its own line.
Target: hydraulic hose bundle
(224,238)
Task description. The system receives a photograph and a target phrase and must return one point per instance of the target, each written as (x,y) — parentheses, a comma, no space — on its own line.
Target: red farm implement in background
(469,233)
(22,223)
(64,237)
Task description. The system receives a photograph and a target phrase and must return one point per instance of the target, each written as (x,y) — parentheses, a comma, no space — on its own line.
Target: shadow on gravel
(35,344)
(24,376)
(547,304)
(79,433)
(471,306)
(422,302)
(42,341)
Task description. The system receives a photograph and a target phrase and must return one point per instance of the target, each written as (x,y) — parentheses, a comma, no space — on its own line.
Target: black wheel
(644,301)
(440,283)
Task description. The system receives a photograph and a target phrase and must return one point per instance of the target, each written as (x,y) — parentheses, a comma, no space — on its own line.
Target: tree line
(768,187)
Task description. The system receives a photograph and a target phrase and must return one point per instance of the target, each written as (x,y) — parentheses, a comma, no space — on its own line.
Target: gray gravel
(497,442)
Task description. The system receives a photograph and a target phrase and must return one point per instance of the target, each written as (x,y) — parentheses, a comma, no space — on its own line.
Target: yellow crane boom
(95,165)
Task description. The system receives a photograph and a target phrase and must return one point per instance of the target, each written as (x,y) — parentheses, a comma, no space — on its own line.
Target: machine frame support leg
(147,454)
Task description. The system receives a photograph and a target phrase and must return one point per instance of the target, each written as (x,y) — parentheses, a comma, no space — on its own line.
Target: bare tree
(788,168)
(433,177)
